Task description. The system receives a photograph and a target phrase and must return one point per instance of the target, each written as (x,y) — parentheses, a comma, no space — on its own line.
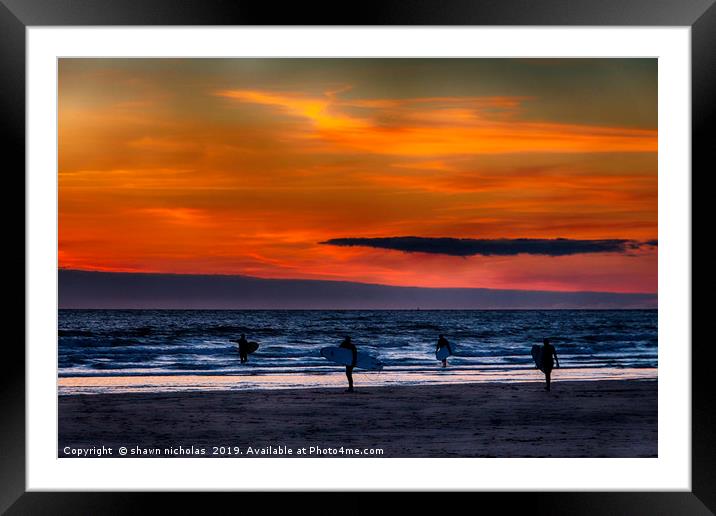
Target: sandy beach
(615,418)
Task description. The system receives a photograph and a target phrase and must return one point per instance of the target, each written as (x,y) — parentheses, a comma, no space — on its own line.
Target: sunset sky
(319,169)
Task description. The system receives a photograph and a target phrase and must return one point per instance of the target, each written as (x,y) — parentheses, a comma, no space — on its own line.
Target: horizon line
(236,275)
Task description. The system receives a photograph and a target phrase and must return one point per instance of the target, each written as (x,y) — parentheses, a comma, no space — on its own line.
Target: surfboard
(444,352)
(344,357)
(252,346)
(537,356)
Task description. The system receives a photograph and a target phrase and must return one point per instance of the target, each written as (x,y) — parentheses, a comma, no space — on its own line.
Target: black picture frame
(17,15)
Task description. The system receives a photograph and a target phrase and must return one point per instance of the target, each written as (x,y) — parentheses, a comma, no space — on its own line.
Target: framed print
(413,249)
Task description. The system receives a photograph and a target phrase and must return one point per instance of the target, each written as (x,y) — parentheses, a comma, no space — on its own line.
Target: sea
(177,350)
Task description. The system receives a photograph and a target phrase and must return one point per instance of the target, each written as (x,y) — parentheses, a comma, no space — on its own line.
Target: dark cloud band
(494,247)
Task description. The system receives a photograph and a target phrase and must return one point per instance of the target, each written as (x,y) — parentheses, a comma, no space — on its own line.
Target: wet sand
(611,418)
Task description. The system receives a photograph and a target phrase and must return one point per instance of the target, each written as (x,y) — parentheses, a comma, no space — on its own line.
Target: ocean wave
(119,342)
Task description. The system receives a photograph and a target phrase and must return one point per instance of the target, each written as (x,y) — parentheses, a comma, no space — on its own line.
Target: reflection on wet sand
(173,383)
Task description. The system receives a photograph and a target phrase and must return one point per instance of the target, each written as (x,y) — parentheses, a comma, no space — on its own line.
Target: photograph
(284,257)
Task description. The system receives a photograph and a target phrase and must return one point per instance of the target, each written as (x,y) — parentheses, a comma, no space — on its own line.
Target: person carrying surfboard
(348,344)
(443,342)
(548,357)
(243,348)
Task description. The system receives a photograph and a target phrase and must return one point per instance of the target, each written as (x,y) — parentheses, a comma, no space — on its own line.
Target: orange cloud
(442,126)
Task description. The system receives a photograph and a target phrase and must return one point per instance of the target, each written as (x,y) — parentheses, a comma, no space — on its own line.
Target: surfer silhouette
(548,358)
(243,348)
(348,344)
(443,342)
